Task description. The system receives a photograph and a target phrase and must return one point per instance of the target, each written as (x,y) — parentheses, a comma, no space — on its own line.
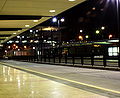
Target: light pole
(58,25)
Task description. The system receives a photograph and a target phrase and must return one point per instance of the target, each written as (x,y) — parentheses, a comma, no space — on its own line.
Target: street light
(103,28)
(97,31)
(58,24)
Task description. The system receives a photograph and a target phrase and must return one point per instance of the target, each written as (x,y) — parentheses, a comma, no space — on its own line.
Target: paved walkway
(102,82)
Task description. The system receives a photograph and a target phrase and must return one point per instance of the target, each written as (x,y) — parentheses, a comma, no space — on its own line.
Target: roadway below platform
(101,82)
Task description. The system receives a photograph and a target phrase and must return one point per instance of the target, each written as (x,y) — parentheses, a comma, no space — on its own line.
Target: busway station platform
(31,80)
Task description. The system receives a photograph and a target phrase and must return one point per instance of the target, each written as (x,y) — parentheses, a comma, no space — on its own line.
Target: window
(113,51)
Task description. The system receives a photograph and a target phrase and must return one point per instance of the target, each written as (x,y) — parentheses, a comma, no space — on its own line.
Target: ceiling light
(19,30)
(52,11)
(71,0)
(14,33)
(27,25)
(35,20)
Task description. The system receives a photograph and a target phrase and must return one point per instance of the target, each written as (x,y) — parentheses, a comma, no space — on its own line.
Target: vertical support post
(59,40)
(92,58)
(41,45)
(73,59)
(82,61)
(66,58)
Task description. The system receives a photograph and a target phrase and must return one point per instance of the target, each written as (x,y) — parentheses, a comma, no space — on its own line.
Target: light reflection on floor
(18,84)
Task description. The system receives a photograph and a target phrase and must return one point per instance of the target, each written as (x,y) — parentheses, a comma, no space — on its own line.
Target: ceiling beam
(10,29)
(19,17)
(7,35)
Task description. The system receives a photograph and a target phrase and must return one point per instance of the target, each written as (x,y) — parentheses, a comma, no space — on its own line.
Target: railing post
(82,61)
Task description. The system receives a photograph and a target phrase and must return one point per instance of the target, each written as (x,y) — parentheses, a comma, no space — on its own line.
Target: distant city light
(97,31)
(33,47)
(86,36)
(81,31)
(102,28)
(23,36)
(31,41)
(80,37)
(62,20)
(9,47)
(25,47)
(18,36)
(31,30)
(93,8)
(110,36)
(37,30)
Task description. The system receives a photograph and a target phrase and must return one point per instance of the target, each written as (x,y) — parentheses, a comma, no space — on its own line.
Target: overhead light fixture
(14,33)
(19,30)
(27,25)
(35,20)
(52,11)
(71,0)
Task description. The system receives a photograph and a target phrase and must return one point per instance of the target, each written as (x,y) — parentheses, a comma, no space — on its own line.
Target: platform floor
(27,83)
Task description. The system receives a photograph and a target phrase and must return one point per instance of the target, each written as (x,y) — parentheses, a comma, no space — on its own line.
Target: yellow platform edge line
(89,85)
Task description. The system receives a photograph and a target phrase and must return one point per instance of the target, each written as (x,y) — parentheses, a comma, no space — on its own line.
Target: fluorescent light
(14,33)
(35,20)
(52,11)
(71,0)
(27,25)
